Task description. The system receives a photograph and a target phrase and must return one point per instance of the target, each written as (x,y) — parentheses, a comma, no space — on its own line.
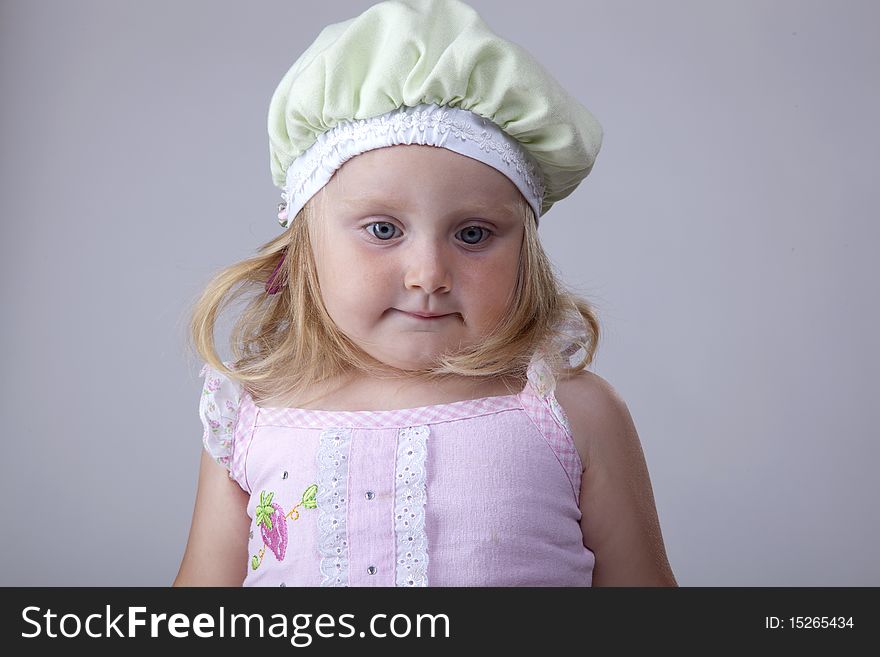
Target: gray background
(725,234)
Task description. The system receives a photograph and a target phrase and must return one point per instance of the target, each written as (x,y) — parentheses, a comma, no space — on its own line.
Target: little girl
(408,404)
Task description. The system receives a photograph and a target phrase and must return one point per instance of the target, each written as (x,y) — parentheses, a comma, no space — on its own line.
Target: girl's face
(416,228)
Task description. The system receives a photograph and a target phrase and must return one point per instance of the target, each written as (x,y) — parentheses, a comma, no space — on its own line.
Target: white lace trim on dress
(410,495)
(332,503)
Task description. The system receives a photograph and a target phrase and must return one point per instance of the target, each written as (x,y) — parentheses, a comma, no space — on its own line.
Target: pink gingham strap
(539,401)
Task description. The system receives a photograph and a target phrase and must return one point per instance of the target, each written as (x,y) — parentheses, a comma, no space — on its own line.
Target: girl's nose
(428,269)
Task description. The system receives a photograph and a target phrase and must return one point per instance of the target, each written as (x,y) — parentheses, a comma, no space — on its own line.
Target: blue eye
(470,230)
(475,232)
(385,232)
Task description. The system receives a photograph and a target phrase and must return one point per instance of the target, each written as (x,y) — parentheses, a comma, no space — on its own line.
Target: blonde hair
(286,343)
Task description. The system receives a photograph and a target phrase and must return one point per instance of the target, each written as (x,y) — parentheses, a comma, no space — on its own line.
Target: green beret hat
(429,72)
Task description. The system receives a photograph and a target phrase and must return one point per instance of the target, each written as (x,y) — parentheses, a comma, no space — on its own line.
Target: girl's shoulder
(585,397)
(619,522)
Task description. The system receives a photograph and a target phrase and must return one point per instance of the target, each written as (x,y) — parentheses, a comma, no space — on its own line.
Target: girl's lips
(425,319)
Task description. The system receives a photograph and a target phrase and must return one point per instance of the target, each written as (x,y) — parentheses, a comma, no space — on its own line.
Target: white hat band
(459,130)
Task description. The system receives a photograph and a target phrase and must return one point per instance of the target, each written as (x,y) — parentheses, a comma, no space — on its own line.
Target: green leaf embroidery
(308,499)
(265,509)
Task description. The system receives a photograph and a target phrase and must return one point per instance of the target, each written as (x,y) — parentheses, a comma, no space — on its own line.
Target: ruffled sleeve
(219,409)
(572,330)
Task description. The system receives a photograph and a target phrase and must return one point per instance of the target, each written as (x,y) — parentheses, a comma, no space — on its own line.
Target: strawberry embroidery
(270,517)
(272,521)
